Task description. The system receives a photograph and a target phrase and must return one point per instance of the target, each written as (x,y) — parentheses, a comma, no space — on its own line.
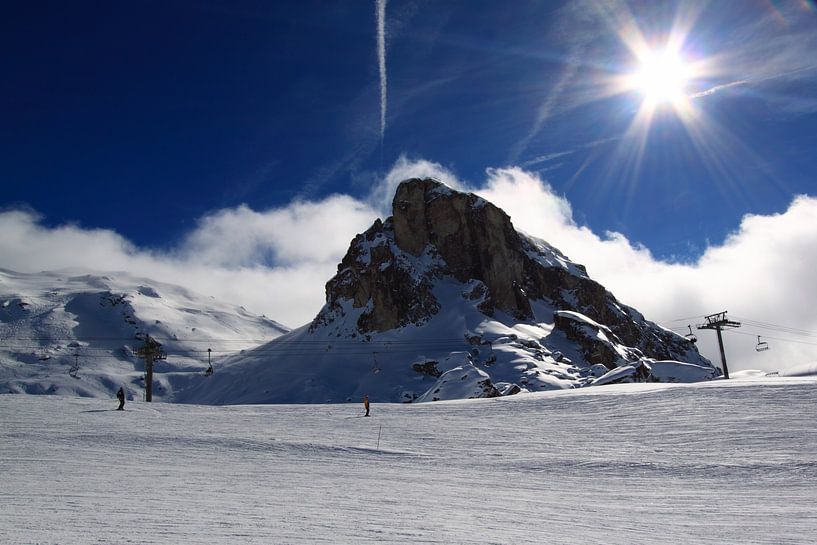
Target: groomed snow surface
(723,462)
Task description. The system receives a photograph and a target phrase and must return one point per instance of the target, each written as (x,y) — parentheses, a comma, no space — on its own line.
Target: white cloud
(274,262)
(403,169)
(277,261)
(26,245)
(302,232)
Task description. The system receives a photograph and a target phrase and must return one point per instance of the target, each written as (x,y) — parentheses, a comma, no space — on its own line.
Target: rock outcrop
(474,238)
(387,278)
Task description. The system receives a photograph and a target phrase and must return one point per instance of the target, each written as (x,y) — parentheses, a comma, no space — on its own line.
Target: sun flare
(660,80)
(661,77)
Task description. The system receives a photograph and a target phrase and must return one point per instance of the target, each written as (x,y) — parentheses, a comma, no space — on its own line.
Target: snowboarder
(120,395)
(366,404)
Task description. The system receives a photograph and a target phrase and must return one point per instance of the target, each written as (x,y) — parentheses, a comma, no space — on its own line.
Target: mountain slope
(444,300)
(76,334)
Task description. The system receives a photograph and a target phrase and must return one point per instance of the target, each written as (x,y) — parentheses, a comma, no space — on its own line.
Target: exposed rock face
(474,238)
(387,278)
(427,368)
(598,342)
(376,276)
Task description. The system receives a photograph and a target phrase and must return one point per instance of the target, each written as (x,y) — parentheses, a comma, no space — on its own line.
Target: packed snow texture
(715,463)
(67,333)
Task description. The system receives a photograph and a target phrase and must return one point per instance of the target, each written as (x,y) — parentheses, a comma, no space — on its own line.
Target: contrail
(717,88)
(547,158)
(551,103)
(381,60)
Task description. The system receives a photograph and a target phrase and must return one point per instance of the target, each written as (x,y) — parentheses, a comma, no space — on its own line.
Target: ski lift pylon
(209,371)
(691,336)
(761,345)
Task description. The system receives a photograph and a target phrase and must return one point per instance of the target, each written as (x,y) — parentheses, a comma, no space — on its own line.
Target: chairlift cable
(781,339)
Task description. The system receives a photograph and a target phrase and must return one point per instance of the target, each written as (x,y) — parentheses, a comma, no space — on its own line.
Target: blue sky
(168,130)
(195,106)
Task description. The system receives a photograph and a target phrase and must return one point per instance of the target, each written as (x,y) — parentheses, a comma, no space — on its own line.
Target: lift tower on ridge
(718,322)
(151,351)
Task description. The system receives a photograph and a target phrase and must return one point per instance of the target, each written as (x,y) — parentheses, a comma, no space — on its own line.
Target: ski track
(717,463)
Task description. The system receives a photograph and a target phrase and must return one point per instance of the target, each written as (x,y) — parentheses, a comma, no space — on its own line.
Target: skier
(366,404)
(120,395)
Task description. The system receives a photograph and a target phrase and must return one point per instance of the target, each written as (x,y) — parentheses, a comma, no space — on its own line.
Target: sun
(662,76)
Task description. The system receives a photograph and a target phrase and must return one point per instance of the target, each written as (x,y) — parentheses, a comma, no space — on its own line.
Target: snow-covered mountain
(446,300)
(76,334)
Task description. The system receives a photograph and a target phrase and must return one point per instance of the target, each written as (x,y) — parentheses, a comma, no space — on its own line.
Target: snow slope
(714,463)
(322,366)
(802,370)
(47,318)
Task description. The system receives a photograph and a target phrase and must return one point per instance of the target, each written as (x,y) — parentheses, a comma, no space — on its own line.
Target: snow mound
(625,373)
(647,370)
(678,371)
(462,382)
(803,370)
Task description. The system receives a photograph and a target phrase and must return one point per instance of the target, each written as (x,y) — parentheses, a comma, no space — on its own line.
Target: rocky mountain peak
(444,299)
(391,275)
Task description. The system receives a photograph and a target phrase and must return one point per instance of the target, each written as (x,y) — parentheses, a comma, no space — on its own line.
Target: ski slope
(74,333)
(707,463)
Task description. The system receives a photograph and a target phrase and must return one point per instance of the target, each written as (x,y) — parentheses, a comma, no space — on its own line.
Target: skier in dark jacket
(120,395)
(366,404)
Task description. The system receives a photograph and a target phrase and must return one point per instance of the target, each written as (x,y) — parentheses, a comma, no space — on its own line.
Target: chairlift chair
(761,345)
(691,336)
